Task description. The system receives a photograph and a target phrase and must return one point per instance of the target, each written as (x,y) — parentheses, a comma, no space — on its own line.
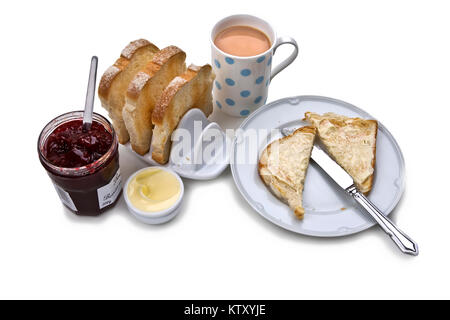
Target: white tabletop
(389,58)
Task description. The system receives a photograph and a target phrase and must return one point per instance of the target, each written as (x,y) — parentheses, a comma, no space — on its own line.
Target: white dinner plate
(329,211)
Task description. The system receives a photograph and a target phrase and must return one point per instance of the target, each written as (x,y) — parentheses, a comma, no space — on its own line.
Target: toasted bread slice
(145,90)
(190,90)
(283,165)
(351,142)
(114,83)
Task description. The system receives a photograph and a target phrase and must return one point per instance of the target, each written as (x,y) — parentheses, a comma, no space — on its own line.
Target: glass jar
(90,189)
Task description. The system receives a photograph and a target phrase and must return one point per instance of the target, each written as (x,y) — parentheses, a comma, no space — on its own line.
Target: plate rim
(369,225)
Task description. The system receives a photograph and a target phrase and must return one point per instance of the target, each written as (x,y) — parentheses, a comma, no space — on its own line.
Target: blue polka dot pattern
(217,63)
(230,102)
(259,80)
(229,60)
(245,93)
(219,105)
(229,81)
(258,100)
(260,59)
(267,82)
(265,100)
(218,85)
(269,62)
(245,72)
(245,112)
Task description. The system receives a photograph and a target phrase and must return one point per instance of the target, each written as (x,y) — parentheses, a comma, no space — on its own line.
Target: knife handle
(405,243)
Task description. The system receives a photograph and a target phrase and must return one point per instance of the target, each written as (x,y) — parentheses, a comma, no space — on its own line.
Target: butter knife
(345,181)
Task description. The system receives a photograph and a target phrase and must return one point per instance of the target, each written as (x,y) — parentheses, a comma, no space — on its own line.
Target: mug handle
(288,60)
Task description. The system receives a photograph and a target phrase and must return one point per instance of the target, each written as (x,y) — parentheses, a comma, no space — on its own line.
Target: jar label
(65,197)
(109,193)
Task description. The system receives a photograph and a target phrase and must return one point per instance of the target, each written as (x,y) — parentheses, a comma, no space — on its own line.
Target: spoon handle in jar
(90,94)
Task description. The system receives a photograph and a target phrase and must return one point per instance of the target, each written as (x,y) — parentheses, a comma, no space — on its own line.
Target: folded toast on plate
(190,90)
(145,90)
(283,165)
(114,82)
(351,142)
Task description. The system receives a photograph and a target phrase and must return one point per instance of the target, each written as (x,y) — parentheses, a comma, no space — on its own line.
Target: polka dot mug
(242,83)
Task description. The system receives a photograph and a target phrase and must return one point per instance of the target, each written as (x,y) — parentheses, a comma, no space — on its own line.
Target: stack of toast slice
(116,79)
(144,92)
(147,92)
(351,142)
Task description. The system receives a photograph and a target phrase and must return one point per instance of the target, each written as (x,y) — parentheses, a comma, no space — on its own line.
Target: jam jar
(83,166)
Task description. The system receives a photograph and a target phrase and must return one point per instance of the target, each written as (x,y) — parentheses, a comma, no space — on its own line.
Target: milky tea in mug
(242,41)
(242,48)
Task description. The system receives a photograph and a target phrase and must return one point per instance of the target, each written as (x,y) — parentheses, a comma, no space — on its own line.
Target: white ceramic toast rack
(200,148)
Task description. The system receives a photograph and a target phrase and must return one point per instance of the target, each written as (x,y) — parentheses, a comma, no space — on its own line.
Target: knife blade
(345,181)
(335,171)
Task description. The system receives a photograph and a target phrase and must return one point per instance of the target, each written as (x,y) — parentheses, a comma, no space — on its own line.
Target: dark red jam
(83,166)
(69,147)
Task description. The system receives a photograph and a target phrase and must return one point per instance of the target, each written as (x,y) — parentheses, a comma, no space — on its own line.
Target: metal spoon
(90,94)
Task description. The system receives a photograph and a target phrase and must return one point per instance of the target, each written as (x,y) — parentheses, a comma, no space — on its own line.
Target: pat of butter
(153,190)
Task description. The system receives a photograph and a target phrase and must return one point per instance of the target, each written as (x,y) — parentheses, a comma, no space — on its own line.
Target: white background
(391,58)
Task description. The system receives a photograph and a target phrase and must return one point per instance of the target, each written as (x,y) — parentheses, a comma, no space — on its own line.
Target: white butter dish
(155,217)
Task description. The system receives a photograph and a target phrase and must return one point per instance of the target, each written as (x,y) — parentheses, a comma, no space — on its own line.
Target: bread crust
(369,181)
(120,64)
(279,187)
(109,75)
(159,59)
(134,46)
